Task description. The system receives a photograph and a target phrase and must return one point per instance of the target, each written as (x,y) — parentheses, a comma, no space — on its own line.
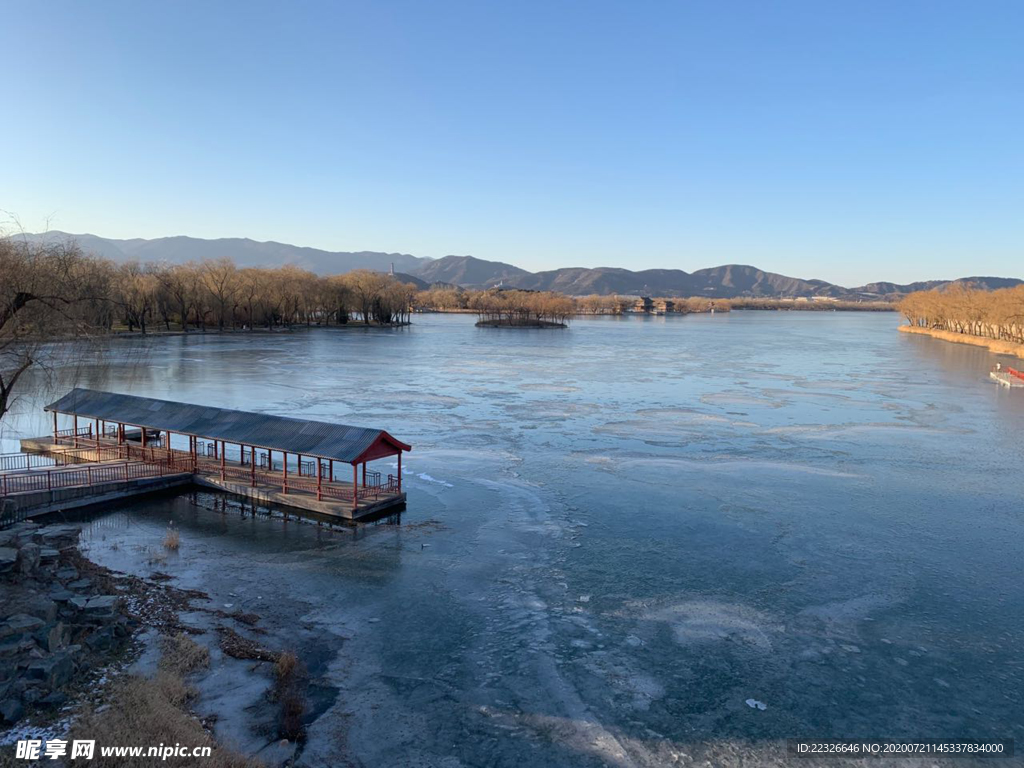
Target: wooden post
(74,431)
(300,465)
(252,464)
(222,461)
(364,474)
(399,471)
(54,427)
(97,441)
(330,467)
(319,478)
(284,472)
(355,487)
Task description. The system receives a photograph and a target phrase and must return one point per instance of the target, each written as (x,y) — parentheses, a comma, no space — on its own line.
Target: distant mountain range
(725,282)
(244,252)
(728,281)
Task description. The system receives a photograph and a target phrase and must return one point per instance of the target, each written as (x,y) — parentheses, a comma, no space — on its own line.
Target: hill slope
(469,271)
(244,252)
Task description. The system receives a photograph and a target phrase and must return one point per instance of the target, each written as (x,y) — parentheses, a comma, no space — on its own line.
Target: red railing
(53,479)
(157,460)
(1015,372)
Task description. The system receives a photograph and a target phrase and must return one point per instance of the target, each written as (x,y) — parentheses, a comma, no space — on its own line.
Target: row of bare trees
(216,293)
(445,299)
(959,308)
(52,296)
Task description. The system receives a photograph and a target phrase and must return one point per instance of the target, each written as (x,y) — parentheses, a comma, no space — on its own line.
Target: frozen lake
(618,534)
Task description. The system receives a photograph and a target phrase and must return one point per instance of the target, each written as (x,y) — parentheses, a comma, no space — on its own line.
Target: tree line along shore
(992,319)
(487,302)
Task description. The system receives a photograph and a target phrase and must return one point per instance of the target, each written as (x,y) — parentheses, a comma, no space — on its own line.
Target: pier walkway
(268,459)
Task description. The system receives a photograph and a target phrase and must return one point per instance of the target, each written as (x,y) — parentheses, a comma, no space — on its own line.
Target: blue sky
(847,141)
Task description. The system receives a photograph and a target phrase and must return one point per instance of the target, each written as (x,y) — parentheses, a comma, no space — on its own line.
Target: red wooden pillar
(355,486)
(364,474)
(284,472)
(97,438)
(399,471)
(222,461)
(252,464)
(300,465)
(319,478)
(54,427)
(330,466)
(74,431)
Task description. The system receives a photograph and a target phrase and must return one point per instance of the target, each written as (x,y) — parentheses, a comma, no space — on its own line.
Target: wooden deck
(85,462)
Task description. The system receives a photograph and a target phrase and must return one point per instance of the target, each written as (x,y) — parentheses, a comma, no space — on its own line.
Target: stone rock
(8,559)
(61,595)
(55,699)
(60,535)
(23,623)
(11,710)
(54,671)
(101,639)
(68,573)
(11,647)
(8,538)
(53,637)
(33,695)
(80,584)
(23,532)
(102,603)
(78,602)
(43,608)
(28,558)
(48,554)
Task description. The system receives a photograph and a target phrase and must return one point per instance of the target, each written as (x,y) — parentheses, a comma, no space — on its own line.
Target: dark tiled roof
(281,433)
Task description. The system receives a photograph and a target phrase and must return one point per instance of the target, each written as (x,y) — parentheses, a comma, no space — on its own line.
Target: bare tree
(44,299)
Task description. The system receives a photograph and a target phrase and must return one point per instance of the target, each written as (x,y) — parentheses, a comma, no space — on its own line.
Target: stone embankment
(56,622)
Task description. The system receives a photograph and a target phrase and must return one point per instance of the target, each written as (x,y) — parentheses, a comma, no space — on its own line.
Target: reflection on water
(617,535)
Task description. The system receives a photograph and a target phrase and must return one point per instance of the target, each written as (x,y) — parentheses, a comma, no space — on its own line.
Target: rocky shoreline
(57,621)
(77,640)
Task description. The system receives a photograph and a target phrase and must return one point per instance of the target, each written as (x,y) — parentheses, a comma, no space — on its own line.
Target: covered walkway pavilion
(269,456)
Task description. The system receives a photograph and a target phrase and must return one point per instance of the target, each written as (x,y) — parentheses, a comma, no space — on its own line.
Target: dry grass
(286,665)
(289,677)
(172,539)
(150,711)
(182,655)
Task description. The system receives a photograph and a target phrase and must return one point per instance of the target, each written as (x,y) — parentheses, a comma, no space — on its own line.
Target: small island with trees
(523,309)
